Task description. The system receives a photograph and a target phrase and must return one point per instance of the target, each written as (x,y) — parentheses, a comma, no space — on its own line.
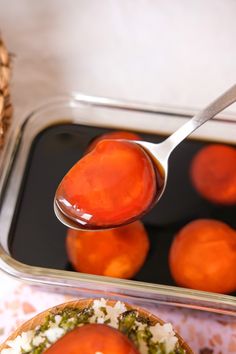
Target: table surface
(178,53)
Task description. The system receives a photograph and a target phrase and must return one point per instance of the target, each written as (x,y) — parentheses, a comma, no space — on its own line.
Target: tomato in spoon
(112,185)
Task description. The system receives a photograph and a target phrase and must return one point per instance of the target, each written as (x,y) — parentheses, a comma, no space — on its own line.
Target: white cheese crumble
(112,315)
(20,343)
(54,333)
(164,334)
(103,313)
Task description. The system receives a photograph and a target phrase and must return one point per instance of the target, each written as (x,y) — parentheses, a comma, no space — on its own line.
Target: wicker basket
(5,105)
(39,319)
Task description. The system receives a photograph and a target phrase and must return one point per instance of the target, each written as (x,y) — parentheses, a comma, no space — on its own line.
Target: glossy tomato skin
(93,339)
(112,185)
(118,252)
(213,173)
(203,256)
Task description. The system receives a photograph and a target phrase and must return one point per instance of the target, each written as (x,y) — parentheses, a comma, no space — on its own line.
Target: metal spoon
(160,153)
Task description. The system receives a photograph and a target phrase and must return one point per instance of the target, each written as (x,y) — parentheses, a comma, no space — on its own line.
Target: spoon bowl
(158,154)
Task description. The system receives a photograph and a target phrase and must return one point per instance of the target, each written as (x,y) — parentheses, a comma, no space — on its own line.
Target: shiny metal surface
(161,152)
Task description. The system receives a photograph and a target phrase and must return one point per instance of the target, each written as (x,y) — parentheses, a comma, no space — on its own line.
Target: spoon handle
(223,101)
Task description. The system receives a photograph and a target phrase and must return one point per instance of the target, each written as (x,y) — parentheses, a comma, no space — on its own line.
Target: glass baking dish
(60,123)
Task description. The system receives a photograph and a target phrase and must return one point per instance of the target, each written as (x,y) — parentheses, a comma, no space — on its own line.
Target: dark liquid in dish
(37,237)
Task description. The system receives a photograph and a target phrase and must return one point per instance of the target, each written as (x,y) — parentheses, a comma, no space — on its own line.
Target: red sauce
(112,185)
(92,339)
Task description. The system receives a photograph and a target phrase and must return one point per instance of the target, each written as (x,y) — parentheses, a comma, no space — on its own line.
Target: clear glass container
(82,113)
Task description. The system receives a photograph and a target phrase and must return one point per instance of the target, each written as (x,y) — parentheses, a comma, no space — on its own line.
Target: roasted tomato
(213,173)
(116,252)
(112,185)
(203,256)
(93,339)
